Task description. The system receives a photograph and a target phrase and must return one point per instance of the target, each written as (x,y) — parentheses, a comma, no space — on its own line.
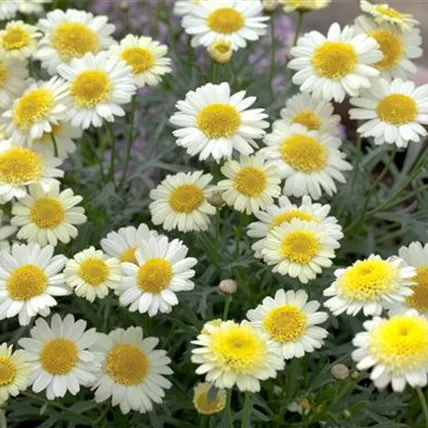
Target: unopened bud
(269,5)
(124,6)
(228,286)
(305,404)
(355,375)
(347,413)
(220,51)
(216,199)
(339,372)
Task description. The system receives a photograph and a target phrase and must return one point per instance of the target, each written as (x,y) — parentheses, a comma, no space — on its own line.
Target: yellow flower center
(222,46)
(4,75)
(300,246)
(389,12)
(19,166)
(47,213)
(32,108)
(391,46)
(15,37)
(129,256)
(304,153)
(239,348)
(204,405)
(154,275)
(397,109)
(26,282)
(94,271)
(419,299)
(334,60)
(225,20)
(250,181)
(401,343)
(368,280)
(74,40)
(286,323)
(59,356)
(307,118)
(218,120)
(140,59)
(90,88)
(127,364)
(186,198)
(7,370)
(287,216)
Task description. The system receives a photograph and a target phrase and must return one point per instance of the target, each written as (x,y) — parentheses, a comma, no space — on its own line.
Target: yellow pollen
(90,88)
(334,60)
(239,348)
(397,109)
(140,59)
(389,11)
(307,118)
(419,299)
(401,343)
(94,271)
(32,108)
(127,364)
(368,280)
(300,246)
(15,37)
(222,46)
(287,216)
(7,370)
(26,282)
(286,323)
(59,356)
(129,256)
(74,40)
(304,153)
(391,46)
(225,20)
(186,198)
(154,275)
(19,166)
(47,136)
(4,75)
(203,404)
(218,120)
(250,181)
(47,213)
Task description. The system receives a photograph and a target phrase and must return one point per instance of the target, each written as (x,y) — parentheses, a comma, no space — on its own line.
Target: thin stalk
(246,414)
(227,301)
(298,27)
(272,53)
(424,405)
(357,161)
(228,409)
(55,145)
(215,72)
(113,151)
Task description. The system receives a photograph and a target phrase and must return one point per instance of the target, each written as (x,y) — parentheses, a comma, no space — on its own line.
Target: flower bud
(220,51)
(269,5)
(216,199)
(124,6)
(228,286)
(339,371)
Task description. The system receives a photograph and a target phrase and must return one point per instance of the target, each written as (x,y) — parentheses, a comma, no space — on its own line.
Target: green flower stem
(228,409)
(298,27)
(357,161)
(272,54)
(246,414)
(113,151)
(424,405)
(227,301)
(55,145)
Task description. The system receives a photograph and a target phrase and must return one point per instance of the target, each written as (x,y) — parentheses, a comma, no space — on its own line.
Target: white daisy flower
(62,135)
(397,48)
(145,56)
(32,7)
(21,166)
(333,66)
(303,6)
(15,372)
(369,285)
(6,231)
(395,349)
(71,34)
(231,354)
(180,202)
(18,40)
(163,270)
(132,372)
(213,122)
(124,243)
(60,356)
(30,278)
(300,249)
(91,274)
(99,85)
(183,7)
(313,113)
(8,9)
(276,215)
(41,106)
(415,255)
(48,216)
(13,73)
(251,185)
(384,13)
(234,21)
(310,162)
(291,322)
(394,112)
